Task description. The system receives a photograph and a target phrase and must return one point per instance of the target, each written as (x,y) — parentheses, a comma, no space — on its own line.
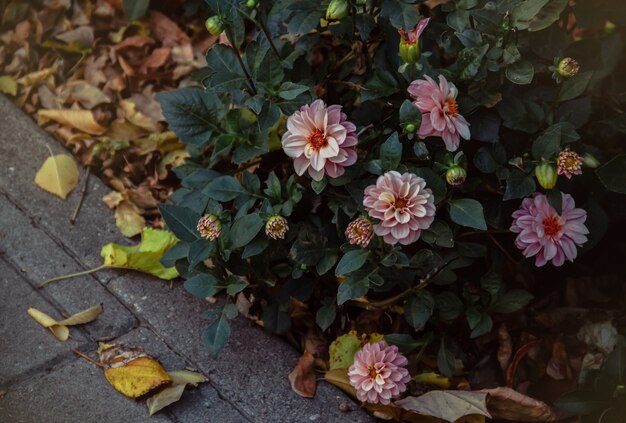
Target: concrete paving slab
(25,347)
(23,149)
(251,372)
(38,257)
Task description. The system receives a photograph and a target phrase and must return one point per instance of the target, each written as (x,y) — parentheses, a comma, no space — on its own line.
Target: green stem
(74,275)
(252,87)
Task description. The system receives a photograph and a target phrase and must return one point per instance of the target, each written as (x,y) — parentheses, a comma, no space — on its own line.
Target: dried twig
(83,192)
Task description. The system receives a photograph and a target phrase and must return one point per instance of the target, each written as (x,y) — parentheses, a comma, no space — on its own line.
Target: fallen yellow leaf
(131,371)
(8,85)
(432,378)
(128,219)
(83,120)
(58,175)
(60,329)
(180,377)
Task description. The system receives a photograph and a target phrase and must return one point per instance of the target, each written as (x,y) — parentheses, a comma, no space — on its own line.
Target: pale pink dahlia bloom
(403,205)
(378,373)
(569,163)
(440,111)
(320,140)
(546,234)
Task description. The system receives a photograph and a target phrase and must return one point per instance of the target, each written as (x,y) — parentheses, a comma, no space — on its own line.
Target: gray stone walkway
(45,382)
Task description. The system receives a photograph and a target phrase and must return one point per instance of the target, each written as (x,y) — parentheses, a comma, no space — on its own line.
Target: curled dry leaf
(302,377)
(58,175)
(508,404)
(131,371)
(505,349)
(171,394)
(447,405)
(83,120)
(60,328)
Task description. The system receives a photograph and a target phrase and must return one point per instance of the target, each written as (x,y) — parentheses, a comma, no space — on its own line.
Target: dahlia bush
(393,167)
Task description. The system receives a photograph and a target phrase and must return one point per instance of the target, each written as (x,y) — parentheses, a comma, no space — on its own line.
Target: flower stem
(73,275)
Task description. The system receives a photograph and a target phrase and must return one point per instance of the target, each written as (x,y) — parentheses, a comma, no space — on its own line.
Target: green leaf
(525,11)
(518,185)
(351,261)
(306,18)
(224,188)
(479,323)
(439,233)
(200,250)
(582,402)
(445,359)
(342,350)
(289,91)
(547,15)
(217,333)
(244,230)
(401,14)
(418,309)
(181,221)
(484,161)
(227,72)
(448,305)
(521,72)
(409,113)
(468,212)
(469,61)
(135,9)
(382,84)
(326,314)
(235,284)
(575,86)
(512,301)
(405,343)
(391,152)
(555,199)
(274,189)
(177,252)
(550,140)
(202,285)
(192,113)
(353,287)
(613,174)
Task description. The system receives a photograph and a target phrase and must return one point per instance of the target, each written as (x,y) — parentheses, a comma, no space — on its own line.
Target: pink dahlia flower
(569,163)
(403,205)
(440,111)
(378,373)
(546,234)
(320,140)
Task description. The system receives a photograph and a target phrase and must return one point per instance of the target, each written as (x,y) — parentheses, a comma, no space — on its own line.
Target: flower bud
(455,175)
(337,10)
(569,163)
(215,25)
(590,161)
(546,174)
(251,4)
(410,53)
(567,67)
(210,227)
(360,231)
(276,227)
(410,128)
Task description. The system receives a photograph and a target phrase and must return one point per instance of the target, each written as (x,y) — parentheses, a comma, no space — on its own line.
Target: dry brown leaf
(447,405)
(136,117)
(508,404)
(505,349)
(86,94)
(157,59)
(302,377)
(3,392)
(83,120)
(558,367)
(58,175)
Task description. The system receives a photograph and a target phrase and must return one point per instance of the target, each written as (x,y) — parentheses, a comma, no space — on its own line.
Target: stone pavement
(45,382)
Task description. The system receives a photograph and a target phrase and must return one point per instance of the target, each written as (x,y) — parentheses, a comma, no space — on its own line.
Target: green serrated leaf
(468,212)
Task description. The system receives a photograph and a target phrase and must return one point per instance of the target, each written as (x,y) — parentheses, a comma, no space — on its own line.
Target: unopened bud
(337,10)
(546,174)
(215,25)
(590,161)
(410,128)
(567,67)
(455,175)
(276,227)
(210,227)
